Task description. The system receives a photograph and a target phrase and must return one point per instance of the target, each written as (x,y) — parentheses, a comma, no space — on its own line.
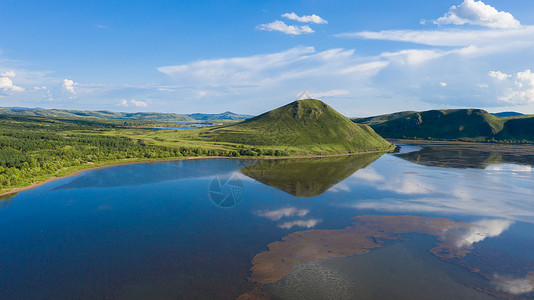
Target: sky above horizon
(361,57)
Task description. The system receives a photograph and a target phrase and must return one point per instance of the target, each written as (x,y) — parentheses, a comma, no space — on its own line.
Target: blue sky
(361,57)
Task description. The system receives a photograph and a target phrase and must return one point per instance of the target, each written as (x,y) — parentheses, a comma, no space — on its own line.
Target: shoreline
(118,163)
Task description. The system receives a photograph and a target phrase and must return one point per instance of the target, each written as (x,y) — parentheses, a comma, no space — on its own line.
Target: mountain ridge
(454,124)
(106,114)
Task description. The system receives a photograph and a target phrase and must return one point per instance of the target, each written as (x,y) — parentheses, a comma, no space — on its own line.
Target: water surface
(158,231)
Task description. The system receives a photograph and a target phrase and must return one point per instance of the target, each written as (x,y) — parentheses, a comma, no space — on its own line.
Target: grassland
(34,148)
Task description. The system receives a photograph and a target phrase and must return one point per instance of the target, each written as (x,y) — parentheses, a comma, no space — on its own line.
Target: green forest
(35,148)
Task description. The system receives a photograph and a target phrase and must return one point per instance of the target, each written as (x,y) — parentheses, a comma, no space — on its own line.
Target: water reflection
(307,177)
(392,185)
(5,200)
(455,241)
(136,174)
(469,155)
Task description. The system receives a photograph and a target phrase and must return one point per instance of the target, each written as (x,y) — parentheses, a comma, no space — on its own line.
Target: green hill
(454,124)
(308,124)
(227,115)
(144,116)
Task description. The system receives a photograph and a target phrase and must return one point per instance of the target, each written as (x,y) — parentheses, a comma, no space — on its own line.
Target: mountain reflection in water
(307,177)
(469,155)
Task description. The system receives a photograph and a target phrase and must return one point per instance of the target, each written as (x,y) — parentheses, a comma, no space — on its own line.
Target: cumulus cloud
(7,86)
(284,28)
(499,75)
(305,19)
(515,89)
(478,13)
(69,85)
(278,214)
(8,74)
(132,102)
(300,223)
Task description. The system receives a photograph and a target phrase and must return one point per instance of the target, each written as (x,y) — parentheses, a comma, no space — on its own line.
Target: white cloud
(7,87)
(8,74)
(499,75)
(276,215)
(300,223)
(413,56)
(487,37)
(443,84)
(201,94)
(69,85)
(330,93)
(136,103)
(272,69)
(478,13)
(517,89)
(305,19)
(303,95)
(284,28)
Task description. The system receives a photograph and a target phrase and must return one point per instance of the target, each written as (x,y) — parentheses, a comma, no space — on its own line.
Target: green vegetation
(454,124)
(307,177)
(34,148)
(147,116)
(309,125)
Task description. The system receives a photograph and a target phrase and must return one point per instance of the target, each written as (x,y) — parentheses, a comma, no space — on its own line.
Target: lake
(433,221)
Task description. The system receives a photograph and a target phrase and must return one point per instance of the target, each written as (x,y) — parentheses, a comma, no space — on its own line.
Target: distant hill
(507,114)
(453,124)
(227,115)
(308,124)
(382,118)
(146,116)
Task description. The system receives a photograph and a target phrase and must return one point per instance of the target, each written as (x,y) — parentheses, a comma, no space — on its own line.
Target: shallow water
(190,229)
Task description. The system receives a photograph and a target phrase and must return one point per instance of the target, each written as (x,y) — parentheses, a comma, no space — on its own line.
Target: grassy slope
(310,125)
(454,124)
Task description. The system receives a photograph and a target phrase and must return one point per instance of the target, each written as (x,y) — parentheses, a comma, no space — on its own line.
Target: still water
(430,222)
